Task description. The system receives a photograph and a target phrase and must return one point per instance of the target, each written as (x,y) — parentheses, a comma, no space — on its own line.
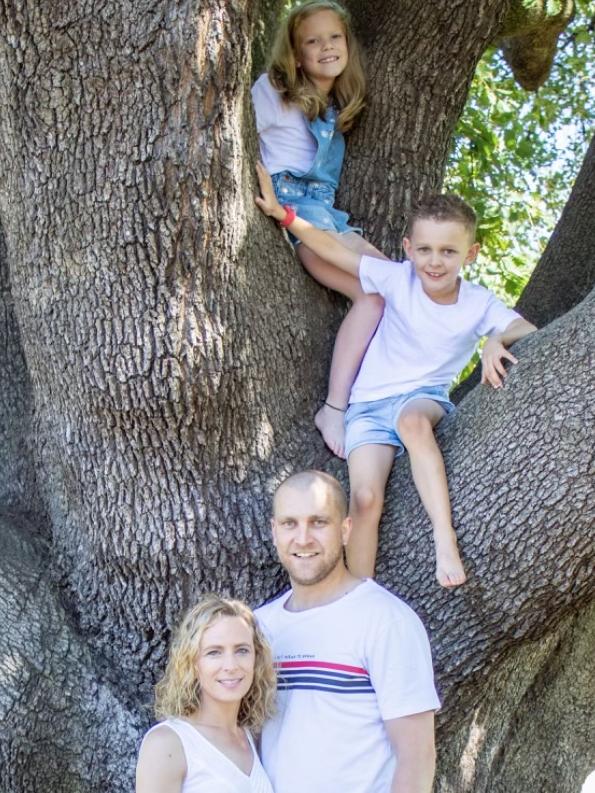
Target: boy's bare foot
(330,423)
(449,568)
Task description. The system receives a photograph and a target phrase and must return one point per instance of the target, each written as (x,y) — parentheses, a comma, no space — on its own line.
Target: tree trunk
(534,727)
(17,474)
(566,271)
(164,354)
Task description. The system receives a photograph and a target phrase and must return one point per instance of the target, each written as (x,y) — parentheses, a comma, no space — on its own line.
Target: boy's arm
(492,368)
(321,242)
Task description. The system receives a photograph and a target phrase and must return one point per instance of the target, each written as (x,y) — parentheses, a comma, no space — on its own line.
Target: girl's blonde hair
(178,691)
(349,89)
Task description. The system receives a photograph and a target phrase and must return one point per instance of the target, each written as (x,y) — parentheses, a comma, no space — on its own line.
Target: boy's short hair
(443,207)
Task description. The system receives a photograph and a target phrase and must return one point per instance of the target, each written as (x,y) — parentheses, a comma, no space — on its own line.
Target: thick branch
(520,463)
(566,271)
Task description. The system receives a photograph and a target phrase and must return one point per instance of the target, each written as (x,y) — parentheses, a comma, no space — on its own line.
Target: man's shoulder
(265,612)
(381,605)
(376,598)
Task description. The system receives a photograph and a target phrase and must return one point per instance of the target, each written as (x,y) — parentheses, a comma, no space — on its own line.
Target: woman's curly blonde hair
(178,691)
(349,89)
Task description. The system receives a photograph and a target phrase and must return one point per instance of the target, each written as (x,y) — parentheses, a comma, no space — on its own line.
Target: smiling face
(438,250)
(309,532)
(225,661)
(321,48)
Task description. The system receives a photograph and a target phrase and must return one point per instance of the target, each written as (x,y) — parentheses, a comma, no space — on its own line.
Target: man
(356,692)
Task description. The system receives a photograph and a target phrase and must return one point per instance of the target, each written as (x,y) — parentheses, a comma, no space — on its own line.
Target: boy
(431,324)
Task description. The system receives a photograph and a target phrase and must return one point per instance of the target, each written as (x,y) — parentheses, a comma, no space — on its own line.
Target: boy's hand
(268,202)
(492,368)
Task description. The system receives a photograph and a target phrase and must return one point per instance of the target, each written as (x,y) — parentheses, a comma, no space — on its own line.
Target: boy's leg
(415,427)
(353,336)
(369,467)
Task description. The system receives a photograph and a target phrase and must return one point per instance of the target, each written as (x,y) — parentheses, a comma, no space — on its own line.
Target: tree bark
(63,725)
(18,488)
(565,273)
(522,504)
(164,353)
(534,727)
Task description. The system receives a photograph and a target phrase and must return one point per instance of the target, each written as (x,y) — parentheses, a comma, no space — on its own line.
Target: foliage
(515,155)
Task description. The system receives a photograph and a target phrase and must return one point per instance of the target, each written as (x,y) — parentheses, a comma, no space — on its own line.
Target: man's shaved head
(305,479)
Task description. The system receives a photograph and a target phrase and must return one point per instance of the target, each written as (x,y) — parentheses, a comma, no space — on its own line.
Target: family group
(345,700)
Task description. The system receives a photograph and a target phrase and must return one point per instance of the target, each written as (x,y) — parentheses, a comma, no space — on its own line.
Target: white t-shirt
(419,342)
(286,143)
(211,771)
(344,669)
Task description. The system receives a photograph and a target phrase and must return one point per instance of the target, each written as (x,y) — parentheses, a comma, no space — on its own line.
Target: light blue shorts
(376,422)
(313,201)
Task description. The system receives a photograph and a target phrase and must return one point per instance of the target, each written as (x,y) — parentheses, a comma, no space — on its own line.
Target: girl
(312,93)
(218,683)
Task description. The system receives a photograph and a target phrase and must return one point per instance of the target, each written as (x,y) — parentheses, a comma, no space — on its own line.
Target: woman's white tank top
(211,771)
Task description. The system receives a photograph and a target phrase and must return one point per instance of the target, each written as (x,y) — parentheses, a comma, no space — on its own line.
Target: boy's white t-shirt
(286,143)
(419,342)
(344,669)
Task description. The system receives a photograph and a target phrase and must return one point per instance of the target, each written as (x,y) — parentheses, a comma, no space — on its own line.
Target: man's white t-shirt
(419,342)
(344,669)
(286,143)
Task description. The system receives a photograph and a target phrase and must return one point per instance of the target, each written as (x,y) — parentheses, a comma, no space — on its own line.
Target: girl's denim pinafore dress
(312,194)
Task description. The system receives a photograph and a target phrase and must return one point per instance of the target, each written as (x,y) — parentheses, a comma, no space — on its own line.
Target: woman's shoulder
(163,737)
(161,759)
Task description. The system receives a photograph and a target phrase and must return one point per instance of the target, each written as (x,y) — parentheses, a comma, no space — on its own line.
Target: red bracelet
(290,216)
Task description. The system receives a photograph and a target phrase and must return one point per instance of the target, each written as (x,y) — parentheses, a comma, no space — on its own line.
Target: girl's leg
(415,427)
(352,339)
(369,467)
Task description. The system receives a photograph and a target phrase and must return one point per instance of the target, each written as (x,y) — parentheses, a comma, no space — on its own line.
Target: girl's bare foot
(330,423)
(449,568)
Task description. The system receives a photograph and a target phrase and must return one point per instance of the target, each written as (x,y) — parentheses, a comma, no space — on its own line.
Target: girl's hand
(268,202)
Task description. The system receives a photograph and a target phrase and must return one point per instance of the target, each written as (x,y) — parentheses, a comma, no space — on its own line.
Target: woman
(219,684)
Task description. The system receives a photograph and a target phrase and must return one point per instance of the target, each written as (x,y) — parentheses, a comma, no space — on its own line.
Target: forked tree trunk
(164,354)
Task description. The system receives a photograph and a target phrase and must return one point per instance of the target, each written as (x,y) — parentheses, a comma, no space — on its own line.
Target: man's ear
(472,253)
(346,527)
(407,246)
(273,531)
